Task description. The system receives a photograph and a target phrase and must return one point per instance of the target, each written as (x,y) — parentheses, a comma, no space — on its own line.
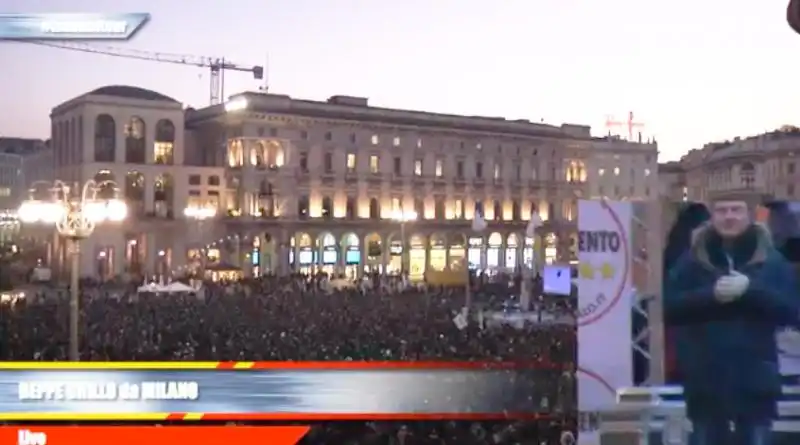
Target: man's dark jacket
(727,351)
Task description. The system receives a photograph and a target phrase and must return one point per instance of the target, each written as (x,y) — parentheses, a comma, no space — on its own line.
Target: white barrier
(657,416)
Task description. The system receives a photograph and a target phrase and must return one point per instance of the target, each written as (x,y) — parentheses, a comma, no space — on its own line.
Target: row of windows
(575,171)
(68,139)
(213,180)
(441,210)
(616,171)
(395,141)
(618,193)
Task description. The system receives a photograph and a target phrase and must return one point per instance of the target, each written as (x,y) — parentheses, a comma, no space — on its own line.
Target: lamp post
(75,212)
(478,225)
(526,290)
(199,215)
(403,217)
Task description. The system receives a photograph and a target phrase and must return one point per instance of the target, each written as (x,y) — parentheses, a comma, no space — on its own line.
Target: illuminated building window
(396,141)
(351,162)
(375,139)
(374,166)
(439,168)
(163,148)
(235,154)
(418,167)
(162,153)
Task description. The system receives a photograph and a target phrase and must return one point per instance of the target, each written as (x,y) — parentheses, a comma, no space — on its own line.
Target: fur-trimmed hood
(764,245)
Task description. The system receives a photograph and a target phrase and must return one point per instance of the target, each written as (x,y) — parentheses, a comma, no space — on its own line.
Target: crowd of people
(289,319)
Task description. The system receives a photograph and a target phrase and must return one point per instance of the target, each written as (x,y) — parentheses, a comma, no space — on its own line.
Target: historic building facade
(273,184)
(132,138)
(329,185)
(764,166)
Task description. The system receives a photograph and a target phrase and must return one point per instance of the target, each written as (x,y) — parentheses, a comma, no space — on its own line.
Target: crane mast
(216,66)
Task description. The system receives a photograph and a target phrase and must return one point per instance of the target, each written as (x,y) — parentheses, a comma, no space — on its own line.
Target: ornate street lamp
(75,212)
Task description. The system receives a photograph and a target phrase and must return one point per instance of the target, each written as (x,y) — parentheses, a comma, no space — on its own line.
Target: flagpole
(526,290)
(478,225)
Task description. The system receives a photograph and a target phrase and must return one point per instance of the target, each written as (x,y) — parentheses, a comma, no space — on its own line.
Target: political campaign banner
(605,361)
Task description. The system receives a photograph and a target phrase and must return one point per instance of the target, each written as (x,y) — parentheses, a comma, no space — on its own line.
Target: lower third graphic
(71,26)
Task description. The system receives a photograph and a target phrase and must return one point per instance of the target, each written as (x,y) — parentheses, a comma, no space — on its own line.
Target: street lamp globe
(116,210)
(40,212)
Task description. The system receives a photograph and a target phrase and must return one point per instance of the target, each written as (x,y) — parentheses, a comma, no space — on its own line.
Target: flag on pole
(534,223)
(478,222)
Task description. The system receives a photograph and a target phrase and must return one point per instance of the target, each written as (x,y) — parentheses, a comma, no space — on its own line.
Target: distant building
(766,166)
(303,185)
(623,170)
(22,162)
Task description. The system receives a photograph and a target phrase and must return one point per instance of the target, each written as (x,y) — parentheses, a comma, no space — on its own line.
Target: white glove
(730,287)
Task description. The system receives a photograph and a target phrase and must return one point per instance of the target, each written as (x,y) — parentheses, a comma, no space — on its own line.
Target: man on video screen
(727,297)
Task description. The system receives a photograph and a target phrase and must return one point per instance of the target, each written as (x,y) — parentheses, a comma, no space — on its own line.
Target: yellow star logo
(586,271)
(607,271)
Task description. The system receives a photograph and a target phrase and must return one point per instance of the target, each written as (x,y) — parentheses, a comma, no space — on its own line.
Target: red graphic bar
(303,417)
(150,435)
(374,365)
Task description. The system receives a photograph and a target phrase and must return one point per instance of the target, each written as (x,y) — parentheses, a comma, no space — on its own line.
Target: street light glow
(200,212)
(113,210)
(116,210)
(404,216)
(41,212)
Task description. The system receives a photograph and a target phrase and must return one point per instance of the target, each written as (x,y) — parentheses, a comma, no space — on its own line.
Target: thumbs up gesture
(730,287)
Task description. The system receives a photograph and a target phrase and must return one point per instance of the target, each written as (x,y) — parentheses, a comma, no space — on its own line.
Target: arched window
(747,172)
(134,141)
(164,146)
(106,185)
(105,138)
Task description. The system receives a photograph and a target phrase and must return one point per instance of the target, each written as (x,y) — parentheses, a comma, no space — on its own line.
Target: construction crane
(630,124)
(217,66)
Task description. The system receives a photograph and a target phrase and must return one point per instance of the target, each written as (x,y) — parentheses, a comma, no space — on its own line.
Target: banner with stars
(604,307)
